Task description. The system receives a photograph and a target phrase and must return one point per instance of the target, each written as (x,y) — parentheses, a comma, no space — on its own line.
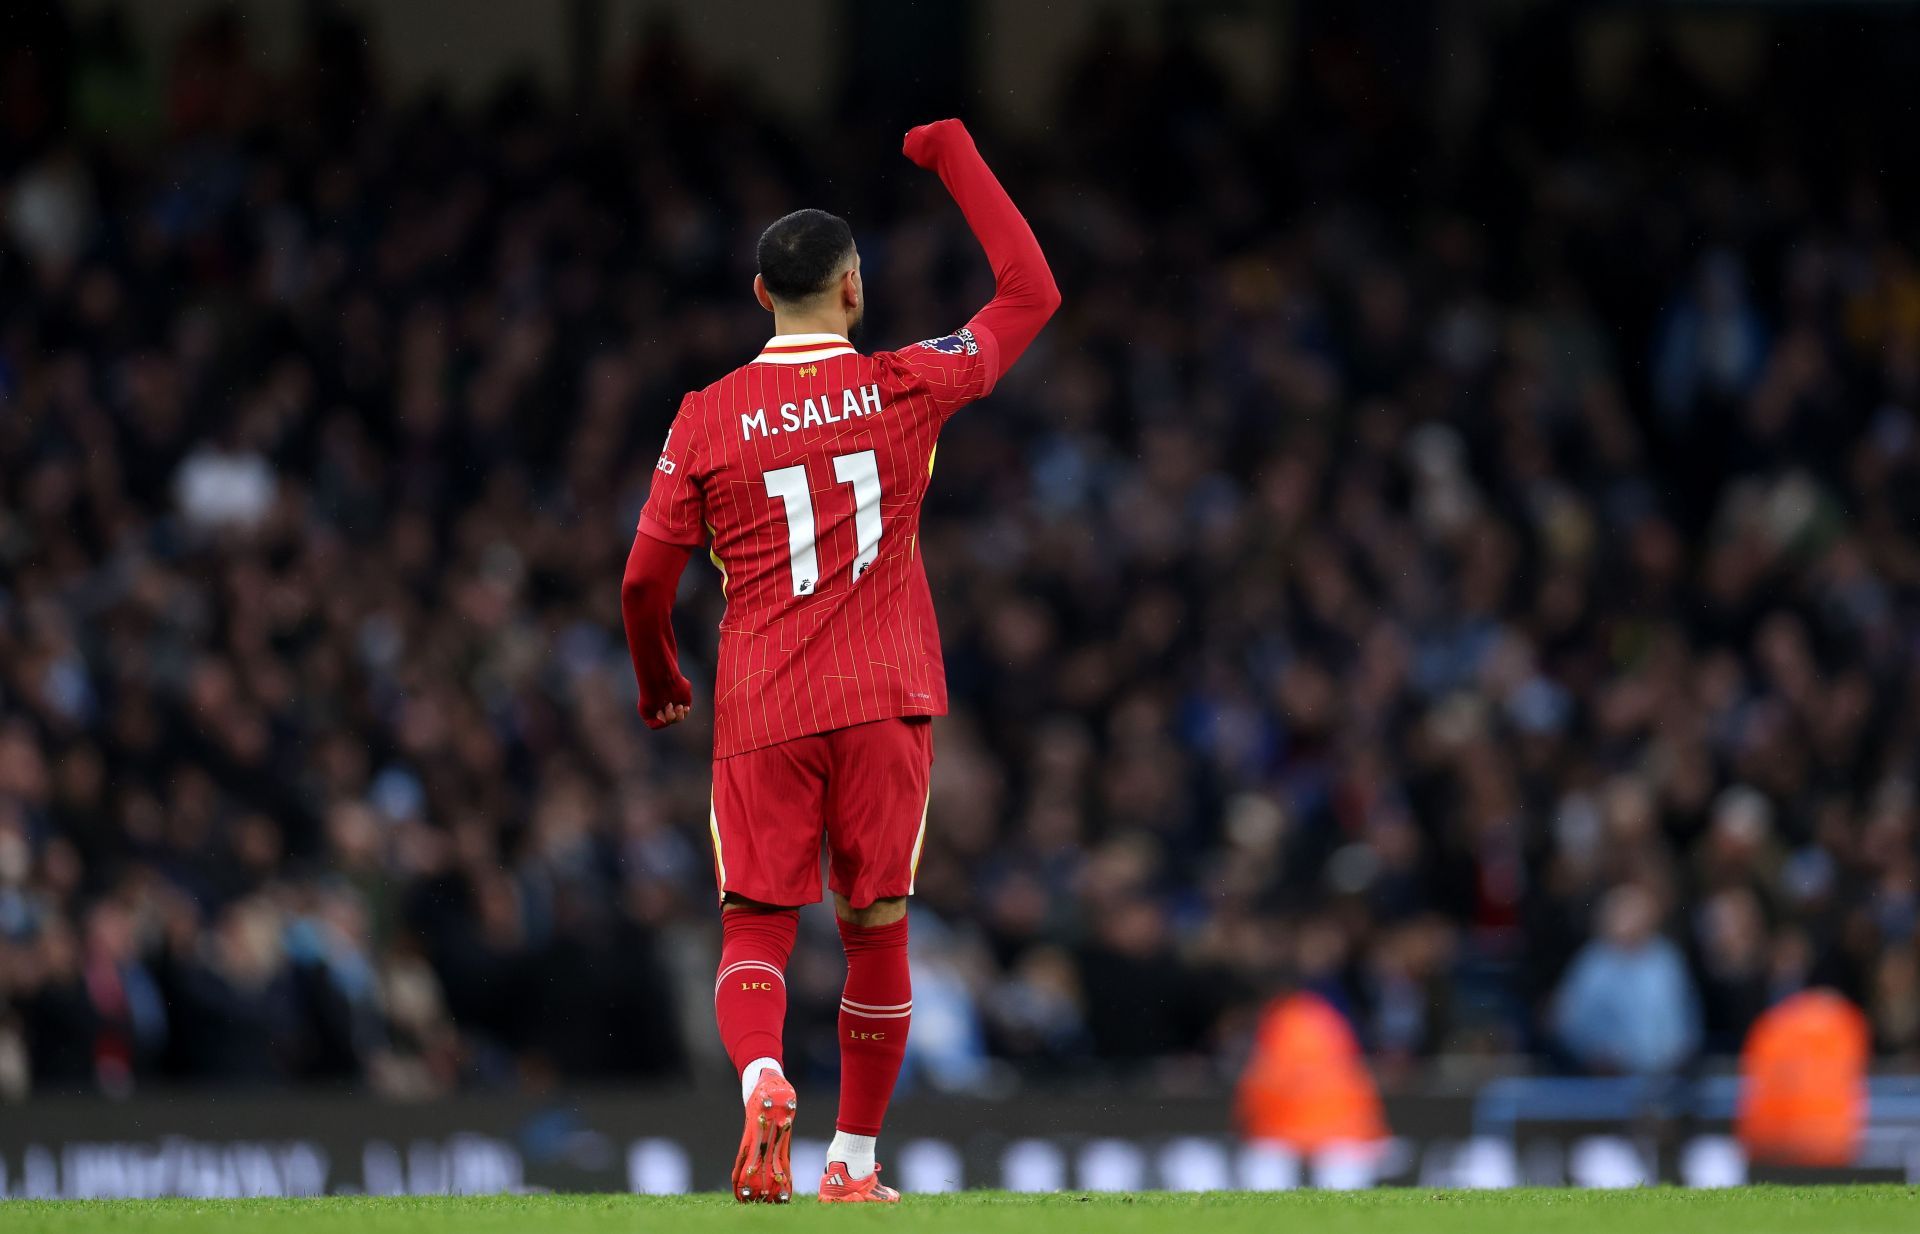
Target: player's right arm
(1025,295)
(646,611)
(671,525)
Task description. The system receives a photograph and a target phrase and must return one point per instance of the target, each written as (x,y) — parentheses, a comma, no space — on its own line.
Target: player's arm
(670,529)
(1025,295)
(646,609)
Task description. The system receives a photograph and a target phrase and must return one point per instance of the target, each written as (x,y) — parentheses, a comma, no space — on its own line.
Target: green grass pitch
(1746,1210)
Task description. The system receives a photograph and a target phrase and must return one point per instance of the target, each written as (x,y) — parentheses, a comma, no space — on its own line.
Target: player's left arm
(1025,295)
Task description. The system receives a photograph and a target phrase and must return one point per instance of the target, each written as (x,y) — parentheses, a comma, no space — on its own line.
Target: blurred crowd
(1473,581)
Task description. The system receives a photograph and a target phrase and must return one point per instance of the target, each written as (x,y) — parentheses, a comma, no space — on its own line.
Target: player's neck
(809,323)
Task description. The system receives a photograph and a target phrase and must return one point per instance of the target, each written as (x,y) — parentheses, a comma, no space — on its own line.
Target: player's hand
(677,707)
(668,716)
(925,143)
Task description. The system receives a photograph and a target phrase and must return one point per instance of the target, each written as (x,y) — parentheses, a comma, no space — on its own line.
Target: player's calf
(876,1009)
(750,992)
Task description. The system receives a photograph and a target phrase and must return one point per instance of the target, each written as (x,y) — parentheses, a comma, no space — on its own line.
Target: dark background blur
(1454,551)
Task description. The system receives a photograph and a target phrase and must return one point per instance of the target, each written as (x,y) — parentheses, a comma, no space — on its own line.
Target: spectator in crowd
(1627,1004)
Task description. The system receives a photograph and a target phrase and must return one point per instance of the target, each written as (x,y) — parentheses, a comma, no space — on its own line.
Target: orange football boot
(763,1172)
(837,1186)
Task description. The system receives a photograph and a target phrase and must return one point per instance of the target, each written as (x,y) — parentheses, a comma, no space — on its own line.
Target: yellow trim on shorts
(913,863)
(719,858)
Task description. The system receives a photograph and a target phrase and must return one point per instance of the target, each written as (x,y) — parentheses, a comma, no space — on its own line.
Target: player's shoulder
(959,345)
(697,400)
(698,404)
(939,362)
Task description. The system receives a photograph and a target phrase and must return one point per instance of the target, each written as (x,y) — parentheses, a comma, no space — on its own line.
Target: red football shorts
(863,790)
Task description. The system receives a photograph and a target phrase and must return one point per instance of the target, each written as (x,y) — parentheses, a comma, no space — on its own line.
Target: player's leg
(750,994)
(750,1005)
(766,827)
(876,817)
(876,1010)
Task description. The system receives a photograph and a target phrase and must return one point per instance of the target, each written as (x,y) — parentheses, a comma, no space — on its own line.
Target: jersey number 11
(789,485)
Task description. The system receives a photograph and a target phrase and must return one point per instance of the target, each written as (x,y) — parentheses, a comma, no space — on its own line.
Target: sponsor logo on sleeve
(960,342)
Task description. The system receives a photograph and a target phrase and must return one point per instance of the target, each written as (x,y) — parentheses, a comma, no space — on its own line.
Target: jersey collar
(803,348)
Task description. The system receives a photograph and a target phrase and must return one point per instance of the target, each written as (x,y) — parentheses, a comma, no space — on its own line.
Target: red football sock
(875,1010)
(750,995)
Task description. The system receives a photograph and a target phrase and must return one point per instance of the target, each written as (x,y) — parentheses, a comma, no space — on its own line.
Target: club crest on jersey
(811,370)
(958,343)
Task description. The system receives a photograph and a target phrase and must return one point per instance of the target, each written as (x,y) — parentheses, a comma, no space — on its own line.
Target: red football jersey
(807,468)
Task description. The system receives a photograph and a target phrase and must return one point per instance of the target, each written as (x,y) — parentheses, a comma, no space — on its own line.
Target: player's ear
(761,294)
(851,291)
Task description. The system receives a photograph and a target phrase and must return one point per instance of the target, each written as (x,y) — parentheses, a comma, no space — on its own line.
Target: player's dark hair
(800,254)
